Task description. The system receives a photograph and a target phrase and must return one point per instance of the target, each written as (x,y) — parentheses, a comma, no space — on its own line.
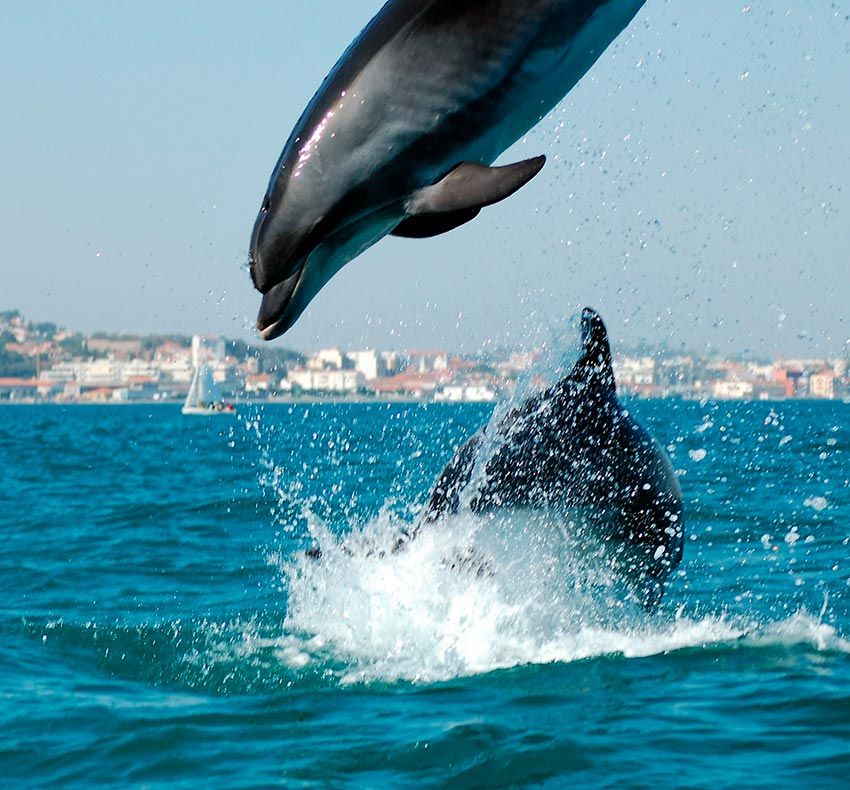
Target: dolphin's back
(401,134)
(414,63)
(575,446)
(427,75)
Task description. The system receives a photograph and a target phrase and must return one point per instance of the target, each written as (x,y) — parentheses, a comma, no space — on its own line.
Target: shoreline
(365,399)
(307,401)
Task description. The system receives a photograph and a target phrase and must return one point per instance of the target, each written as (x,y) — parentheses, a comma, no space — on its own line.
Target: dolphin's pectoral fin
(473,186)
(457,198)
(428,225)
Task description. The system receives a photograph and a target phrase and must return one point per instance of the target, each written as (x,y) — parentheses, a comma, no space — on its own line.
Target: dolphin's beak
(278,311)
(284,302)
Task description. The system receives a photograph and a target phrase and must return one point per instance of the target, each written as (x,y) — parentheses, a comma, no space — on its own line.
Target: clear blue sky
(698,188)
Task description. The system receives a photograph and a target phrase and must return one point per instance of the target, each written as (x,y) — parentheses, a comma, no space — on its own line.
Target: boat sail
(204,395)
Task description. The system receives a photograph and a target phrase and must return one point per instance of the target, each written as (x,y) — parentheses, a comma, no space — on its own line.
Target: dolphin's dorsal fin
(461,194)
(595,364)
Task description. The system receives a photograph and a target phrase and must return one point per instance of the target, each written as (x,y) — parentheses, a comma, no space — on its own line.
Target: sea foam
(419,615)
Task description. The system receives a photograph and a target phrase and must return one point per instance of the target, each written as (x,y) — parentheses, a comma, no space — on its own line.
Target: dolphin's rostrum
(401,135)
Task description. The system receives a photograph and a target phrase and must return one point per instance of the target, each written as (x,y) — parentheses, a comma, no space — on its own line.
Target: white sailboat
(204,395)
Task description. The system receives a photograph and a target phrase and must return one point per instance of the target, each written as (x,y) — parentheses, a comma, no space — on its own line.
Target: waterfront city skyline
(696,191)
(42,362)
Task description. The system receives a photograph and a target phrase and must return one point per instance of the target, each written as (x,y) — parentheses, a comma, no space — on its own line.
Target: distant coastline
(365,400)
(46,363)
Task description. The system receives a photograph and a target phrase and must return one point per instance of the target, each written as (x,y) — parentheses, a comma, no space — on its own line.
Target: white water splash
(410,616)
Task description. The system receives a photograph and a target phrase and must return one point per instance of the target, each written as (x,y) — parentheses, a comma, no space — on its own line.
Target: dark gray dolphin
(401,135)
(575,446)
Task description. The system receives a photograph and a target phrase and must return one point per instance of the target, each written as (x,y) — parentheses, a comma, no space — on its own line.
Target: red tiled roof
(16,382)
(403,383)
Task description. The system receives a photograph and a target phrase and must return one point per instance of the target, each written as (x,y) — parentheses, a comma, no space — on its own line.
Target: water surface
(160,624)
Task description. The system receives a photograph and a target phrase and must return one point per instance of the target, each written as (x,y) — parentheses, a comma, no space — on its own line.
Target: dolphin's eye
(266,203)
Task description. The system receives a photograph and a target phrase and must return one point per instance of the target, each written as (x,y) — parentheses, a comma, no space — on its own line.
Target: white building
(634,371)
(822,384)
(101,372)
(732,389)
(326,380)
(391,362)
(64,372)
(258,383)
(332,358)
(177,370)
(140,369)
(427,361)
(367,362)
(175,362)
(765,372)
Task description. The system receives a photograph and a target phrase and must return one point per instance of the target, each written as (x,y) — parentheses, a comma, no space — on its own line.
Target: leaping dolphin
(401,136)
(575,447)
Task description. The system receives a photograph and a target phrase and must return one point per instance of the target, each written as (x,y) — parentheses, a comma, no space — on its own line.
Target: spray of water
(417,615)
(476,593)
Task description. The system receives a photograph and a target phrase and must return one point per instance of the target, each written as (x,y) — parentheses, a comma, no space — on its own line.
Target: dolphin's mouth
(276,316)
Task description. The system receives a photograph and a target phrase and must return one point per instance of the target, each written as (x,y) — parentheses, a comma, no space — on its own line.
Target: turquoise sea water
(160,625)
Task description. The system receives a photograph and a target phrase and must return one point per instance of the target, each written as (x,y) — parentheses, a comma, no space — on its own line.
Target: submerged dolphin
(576,447)
(401,135)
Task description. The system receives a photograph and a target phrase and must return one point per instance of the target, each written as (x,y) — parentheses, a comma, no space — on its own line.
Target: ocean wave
(418,615)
